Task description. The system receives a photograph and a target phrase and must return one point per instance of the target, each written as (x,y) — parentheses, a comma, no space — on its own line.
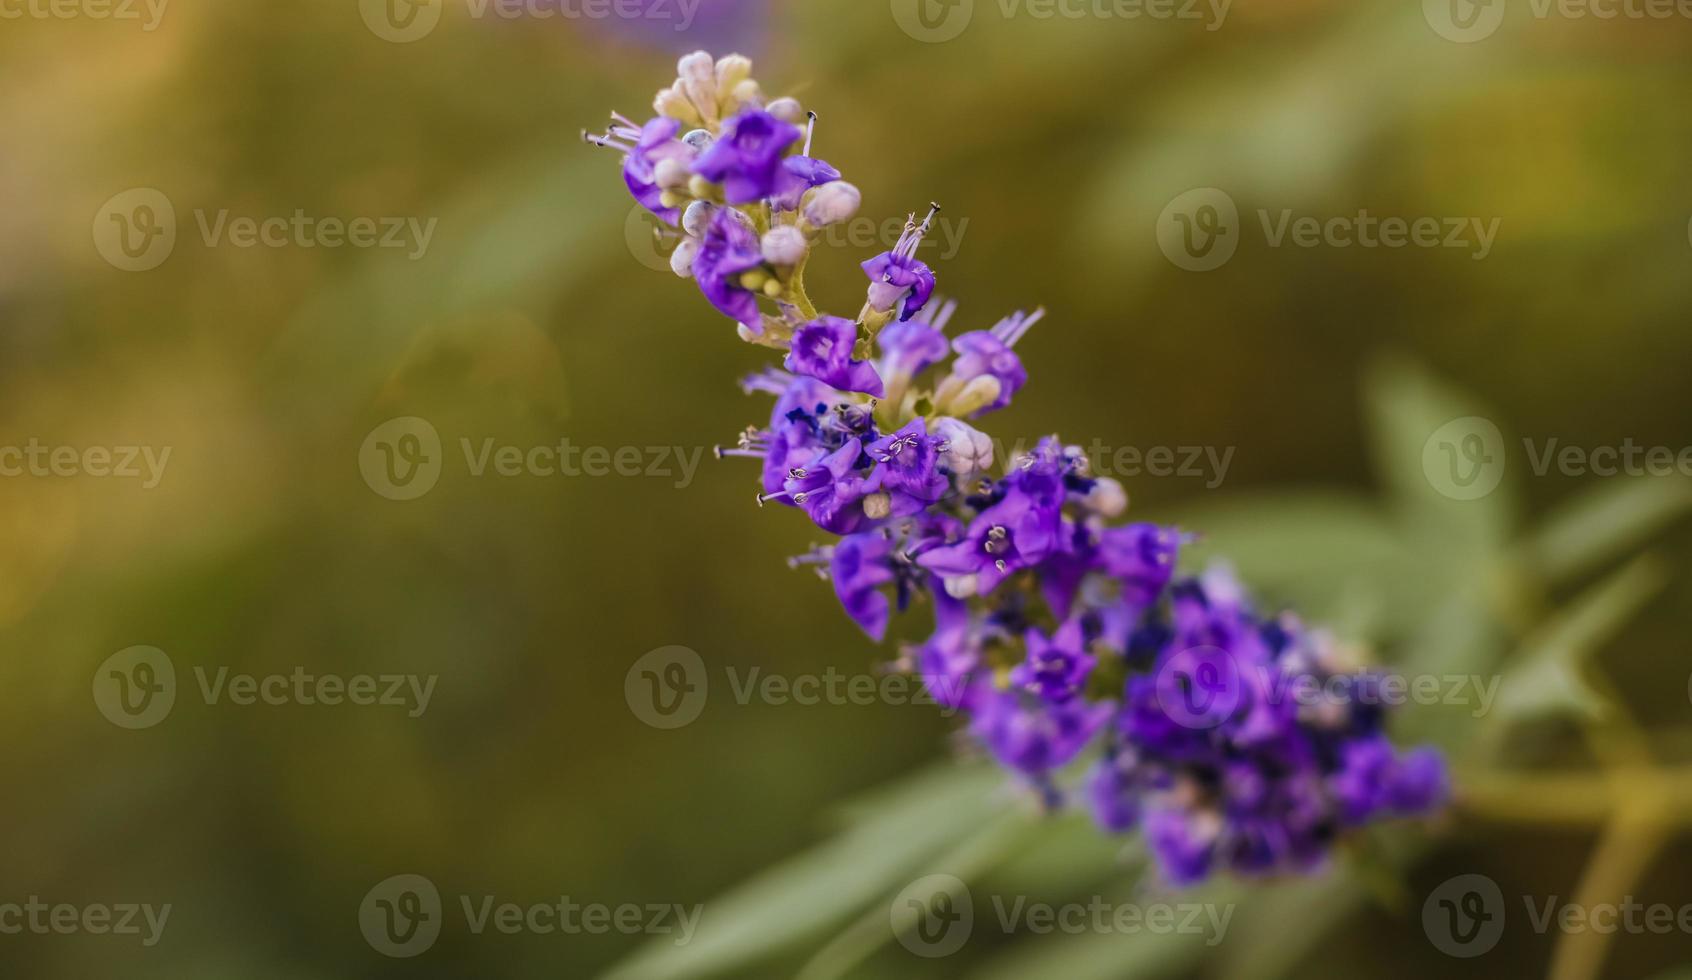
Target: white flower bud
(732,70)
(681,260)
(968,449)
(787,110)
(962,587)
(697,218)
(745,93)
(697,66)
(699,139)
(832,203)
(976,395)
(878,506)
(671,174)
(675,104)
(1107,498)
(784,245)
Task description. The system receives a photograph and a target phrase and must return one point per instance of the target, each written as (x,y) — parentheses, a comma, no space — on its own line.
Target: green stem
(796,288)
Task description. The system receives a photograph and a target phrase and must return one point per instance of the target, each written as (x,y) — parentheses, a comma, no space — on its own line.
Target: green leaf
(1603,524)
(887,841)
(1546,675)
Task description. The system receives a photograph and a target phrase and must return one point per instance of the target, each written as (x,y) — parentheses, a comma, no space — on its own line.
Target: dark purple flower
(729,249)
(1055,668)
(907,467)
(644,147)
(989,353)
(1142,558)
(1113,794)
(823,348)
(860,569)
(1032,736)
(1184,844)
(830,490)
(948,661)
(1013,534)
(897,278)
(747,158)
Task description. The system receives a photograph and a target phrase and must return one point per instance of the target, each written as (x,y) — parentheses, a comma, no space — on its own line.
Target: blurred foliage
(1059,141)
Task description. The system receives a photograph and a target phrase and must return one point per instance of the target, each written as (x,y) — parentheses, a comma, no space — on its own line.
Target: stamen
(1011,328)
(810,133)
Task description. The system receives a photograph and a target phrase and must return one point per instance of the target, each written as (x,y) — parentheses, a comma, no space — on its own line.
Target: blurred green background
(1054,145)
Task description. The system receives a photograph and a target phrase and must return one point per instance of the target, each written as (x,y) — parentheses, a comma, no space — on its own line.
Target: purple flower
(1113,794)
(730,248)
(830,490)
(1032,736)
(988,353)
(1011,535)
(907,467)
(1184,846)
(912,347)
(822,349)
(644,148)
(1056,668)
(803,173)
(1142,558)
(897,278)
(747,158)
(948,661)
(859,569)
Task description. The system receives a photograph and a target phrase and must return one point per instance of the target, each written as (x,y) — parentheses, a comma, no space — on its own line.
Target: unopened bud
(671,174)
(681,260)
(697,218)
(784,245)
(786,109)
(672,102)
(832,203)
(968,449)
(732,70)
(977,395)
(1107,498)
(878,506)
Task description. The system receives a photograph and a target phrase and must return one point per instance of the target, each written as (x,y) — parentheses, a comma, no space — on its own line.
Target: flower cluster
(1057,629)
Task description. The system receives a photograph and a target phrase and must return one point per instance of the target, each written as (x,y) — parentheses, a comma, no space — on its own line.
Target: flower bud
(746,93)
(787,110)
(1107,498)
(671,173)
(732,70)
(696,67)
(697,218)
(784,245)
(967,450)
(962,587)
(878,506)
(699,139)
(681,260)
(977,395)
(832,203)
(672,102)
